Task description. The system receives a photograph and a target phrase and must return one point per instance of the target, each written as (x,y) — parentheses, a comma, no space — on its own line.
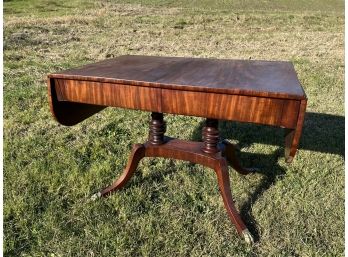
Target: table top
(261,92)
(276,79)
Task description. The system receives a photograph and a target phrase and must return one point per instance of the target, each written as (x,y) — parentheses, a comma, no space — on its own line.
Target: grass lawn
(170,208)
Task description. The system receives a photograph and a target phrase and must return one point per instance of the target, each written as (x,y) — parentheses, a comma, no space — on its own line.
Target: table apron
(261,110)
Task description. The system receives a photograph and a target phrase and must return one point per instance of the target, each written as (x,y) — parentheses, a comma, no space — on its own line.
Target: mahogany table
(262,92)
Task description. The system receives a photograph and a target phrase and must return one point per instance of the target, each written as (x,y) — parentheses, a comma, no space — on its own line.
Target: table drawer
(108,94)
(262,110)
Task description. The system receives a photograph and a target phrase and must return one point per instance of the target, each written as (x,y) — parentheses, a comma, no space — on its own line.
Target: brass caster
(95,196)
(289,159)
(248,238)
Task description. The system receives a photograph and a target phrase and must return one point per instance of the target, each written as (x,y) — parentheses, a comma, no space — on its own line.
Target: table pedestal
(211,153)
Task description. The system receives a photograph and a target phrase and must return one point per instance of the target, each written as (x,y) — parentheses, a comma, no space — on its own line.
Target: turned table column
(157,129)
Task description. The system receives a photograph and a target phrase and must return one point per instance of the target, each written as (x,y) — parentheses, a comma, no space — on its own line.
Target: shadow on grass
(321,133)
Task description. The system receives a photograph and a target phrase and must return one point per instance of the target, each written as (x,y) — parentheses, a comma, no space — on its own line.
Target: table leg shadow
(215,154)
(210,153)
(267,165)
(318,128)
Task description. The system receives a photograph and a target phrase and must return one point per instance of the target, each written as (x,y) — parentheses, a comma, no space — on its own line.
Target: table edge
(232,91)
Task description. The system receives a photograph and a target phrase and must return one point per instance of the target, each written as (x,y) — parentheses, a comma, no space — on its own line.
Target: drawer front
(261,110)
(109,94)
(269,111)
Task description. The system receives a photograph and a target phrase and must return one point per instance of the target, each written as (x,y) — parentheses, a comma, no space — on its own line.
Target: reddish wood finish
(187,151)
(215,156)
(292,139)
(210,136)
(261,110)
(191,151)
(229,153)
(274,79)
(138,152)
(260,92)
(157,129)
(69,113)
(108,94)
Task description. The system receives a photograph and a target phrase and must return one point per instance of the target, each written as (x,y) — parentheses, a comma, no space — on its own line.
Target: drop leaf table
(261,92)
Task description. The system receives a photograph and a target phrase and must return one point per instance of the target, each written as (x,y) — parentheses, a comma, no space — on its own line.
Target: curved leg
(138,152)
(225,190)
(230,154)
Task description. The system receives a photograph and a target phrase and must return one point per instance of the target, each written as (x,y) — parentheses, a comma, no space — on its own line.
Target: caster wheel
(95,196)
(248,238)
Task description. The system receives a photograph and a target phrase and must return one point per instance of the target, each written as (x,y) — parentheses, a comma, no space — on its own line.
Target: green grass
(170,208)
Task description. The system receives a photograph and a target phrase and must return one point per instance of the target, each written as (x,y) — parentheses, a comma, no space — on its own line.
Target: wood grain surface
(243,77)
(108,94)
(69,113)
(262,92)
(260,110)
(209,153)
